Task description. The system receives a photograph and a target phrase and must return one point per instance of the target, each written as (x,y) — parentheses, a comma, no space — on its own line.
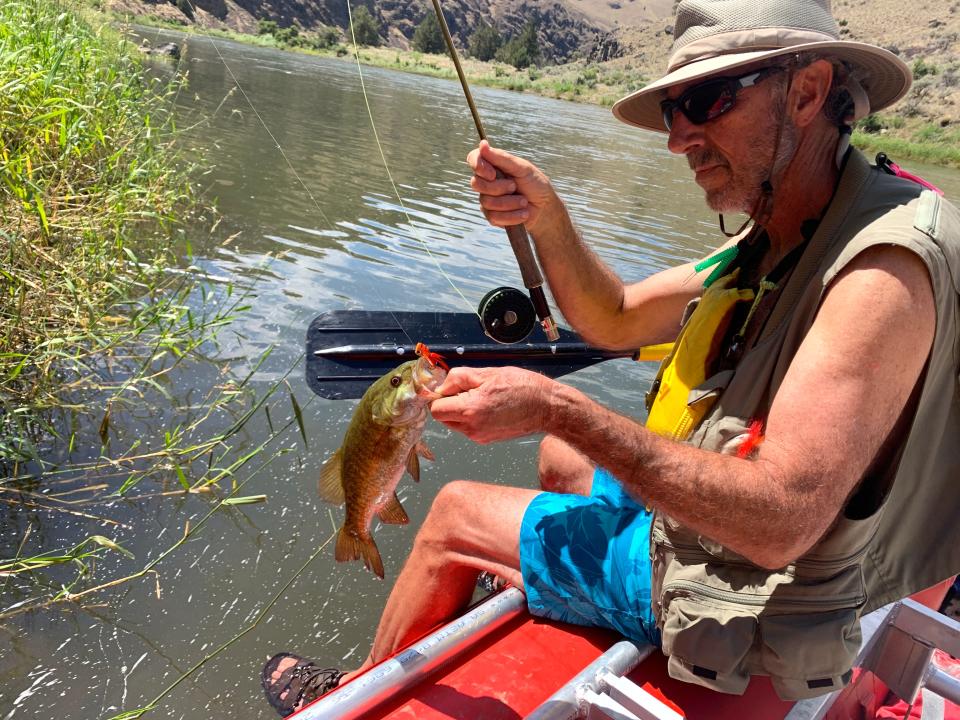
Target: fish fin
(330,486)
(413,464)
(353,547)
(425,451)
(393,512)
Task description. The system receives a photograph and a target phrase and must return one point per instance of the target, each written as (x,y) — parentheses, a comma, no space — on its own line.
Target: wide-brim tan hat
(716,37)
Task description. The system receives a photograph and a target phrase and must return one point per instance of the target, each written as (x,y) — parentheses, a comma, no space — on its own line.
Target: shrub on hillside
(921,68)
(875,123)
(365,28)
(523,50)
(428,37)
(325,38)
(870,124)
(484,42)
(289,36)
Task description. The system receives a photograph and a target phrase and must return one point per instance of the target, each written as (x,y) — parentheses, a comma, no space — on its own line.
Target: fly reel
(507,315)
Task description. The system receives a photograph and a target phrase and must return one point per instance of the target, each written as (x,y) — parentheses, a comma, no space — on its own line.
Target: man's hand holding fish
(491,404)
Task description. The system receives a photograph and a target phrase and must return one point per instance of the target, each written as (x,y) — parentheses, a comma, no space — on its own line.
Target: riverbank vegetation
(81,164)
(904,132)
(102,312)
(580,81)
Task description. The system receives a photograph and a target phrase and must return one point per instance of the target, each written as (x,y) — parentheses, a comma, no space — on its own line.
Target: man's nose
(684,135)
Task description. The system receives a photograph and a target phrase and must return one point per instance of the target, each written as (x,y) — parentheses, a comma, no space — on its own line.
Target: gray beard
(741,195)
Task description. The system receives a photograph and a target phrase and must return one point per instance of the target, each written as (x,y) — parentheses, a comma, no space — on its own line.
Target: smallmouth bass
(381,442)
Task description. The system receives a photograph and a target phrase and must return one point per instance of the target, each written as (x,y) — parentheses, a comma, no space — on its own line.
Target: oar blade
(349,349)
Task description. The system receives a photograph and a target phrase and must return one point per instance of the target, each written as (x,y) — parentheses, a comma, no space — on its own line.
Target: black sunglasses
(712,98)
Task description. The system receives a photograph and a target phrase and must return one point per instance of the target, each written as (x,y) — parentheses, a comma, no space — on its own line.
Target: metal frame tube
(943,684)
(565,704)
(416,662)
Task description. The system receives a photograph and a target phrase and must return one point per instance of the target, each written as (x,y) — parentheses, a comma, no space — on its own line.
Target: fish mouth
(427,377)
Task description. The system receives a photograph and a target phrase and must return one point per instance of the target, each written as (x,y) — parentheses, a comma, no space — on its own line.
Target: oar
(348,349)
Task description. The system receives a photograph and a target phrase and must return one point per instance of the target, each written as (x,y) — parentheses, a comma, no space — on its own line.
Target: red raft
(497,662)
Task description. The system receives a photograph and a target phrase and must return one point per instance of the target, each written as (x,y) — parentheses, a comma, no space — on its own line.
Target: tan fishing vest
(724,619)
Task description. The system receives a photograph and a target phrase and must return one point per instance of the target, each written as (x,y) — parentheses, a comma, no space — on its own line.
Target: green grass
(98,306)
(924,142)
(102,316)
(904,149)
(87,160)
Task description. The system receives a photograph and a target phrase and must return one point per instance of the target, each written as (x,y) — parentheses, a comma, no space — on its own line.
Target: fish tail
(354,547)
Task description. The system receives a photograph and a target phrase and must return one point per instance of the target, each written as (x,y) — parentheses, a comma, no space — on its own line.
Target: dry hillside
(925,33)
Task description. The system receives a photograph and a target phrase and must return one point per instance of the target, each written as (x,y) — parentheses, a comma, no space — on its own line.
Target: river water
(311,222)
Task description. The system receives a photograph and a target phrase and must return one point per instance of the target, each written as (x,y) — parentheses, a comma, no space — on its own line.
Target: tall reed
(87,163)
(101,309)
(82,163)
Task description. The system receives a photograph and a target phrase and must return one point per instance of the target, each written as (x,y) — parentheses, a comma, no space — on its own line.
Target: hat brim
(884,76)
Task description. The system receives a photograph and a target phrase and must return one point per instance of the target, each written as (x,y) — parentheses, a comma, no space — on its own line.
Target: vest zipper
(698,554)
(683,426)
(686,588)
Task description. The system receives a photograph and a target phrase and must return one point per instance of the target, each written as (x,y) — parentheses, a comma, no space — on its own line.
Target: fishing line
(376,136)
(272,137)
(276,142)
(396,191)
(210,656)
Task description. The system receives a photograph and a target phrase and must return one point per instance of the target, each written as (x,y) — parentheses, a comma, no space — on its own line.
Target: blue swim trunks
(586,560)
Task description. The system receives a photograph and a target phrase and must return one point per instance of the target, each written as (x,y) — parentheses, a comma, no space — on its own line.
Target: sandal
(489,582)
(298,685)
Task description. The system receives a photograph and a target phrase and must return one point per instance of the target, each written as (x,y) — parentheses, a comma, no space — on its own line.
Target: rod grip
(529,270)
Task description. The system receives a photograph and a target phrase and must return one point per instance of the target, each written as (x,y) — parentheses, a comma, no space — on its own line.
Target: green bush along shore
(101,312)
(93,309)
(85,159)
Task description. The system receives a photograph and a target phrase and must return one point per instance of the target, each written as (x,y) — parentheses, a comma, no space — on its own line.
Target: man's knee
(450,509)
(563,469)
(474,524)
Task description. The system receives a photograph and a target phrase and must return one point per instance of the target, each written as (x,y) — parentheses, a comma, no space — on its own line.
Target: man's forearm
(742,504)
(588,293)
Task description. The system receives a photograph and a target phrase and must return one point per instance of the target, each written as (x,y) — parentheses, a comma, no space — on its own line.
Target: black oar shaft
(453,352)
(347,350)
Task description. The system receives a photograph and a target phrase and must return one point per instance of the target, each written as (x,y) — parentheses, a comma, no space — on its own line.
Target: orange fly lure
(433,358)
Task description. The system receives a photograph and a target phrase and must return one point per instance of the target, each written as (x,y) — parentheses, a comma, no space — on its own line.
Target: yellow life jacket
(673,412)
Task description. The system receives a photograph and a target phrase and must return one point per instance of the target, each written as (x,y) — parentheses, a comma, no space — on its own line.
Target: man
(800,447)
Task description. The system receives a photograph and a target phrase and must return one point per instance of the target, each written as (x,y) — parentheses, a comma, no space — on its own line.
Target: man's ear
(809,91)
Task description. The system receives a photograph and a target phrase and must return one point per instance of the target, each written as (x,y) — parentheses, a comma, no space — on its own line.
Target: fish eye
(396,380)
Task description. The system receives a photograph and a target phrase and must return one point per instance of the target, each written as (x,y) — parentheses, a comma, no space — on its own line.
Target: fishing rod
(505,313)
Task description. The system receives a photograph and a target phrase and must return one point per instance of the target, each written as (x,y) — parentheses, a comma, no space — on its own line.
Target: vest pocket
(707,645)
(809,655)
(714,638)
(722,622)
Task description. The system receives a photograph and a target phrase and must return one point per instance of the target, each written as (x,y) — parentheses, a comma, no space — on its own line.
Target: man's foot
(291,682)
